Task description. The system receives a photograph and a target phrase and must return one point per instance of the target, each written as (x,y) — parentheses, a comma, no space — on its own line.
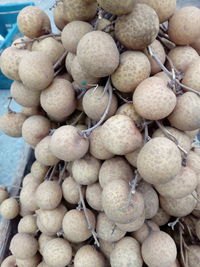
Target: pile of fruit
(111,106)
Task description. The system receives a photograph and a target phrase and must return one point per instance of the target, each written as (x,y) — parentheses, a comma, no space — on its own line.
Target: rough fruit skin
(75,226)
(107,230)
(120,135)
(153,100)
(58,100)
(51,47)
(93,196)
(27,225)
(66,144)
(9,208)
(134,67)
(72,33)
(192,75)
(193,255)
(115,168)
(23,246)
(27,197)
(159,249)
(181,57)
(115,202)
(58,16)
(24,96)
(88,256)
(134,225)
(186,115)
(36,64)
(48,195)
(57,252)
(79,75)
(132,157)
(78,10)
(85,171)
(179,207)
(183,140)
(184,25)
(97,148)
(163,8)
(117,7)
(102,47)
(182,185)
(126,253)
(9,261)
(43,154)
(70,190)
(161,217)
(95,102)
(137,29)
(31,262)
(33,22)
(68,61)
(10,59)
(128,109)
(35,128)
(159,161)
(11,123)
(159,50)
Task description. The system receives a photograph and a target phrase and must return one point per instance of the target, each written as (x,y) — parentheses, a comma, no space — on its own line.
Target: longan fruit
(38,170)
(9,261)
(27,225)
(27,196)
(193,255)
(9,208)
(161,217)
(192,75)
(139,28)
(30,262)
(93,196)
(132,226)
(58,16)
(129,110)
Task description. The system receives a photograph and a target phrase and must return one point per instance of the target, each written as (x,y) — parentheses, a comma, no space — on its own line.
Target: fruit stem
(90,227)
(133,184)
(38,38)
(59,61)
(86,133)
(173,224)
(173,138)
(61,174)
(122,98)
(169,74)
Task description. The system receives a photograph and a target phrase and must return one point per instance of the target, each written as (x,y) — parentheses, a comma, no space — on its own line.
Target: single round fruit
(128,109)
(67,143)
(102,47)
(117,7)
(72,33)
(154,164)
(192,75)
(28,225)
(94,196)
(139,28)
(161,217)
(36,64)
(126,253)
(153,100)
(186,115)
(134,67)
(23,246)
(132,226)
(120,135)
(57,252)
(159,249)
(58,16)
(115,202)
(9,208)
(185,18)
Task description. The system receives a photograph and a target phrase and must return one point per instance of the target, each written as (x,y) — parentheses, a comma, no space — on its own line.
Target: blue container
(9,31)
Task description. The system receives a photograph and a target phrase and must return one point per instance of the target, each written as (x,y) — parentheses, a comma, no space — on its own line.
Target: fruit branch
(38,38)
(90,227)
(59,61)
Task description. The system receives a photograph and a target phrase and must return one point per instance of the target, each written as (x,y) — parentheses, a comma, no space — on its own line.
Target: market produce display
(111,107)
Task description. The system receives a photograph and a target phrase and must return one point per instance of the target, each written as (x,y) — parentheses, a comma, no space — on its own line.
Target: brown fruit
(186,115)
(67,144)
(58,100)
(35,128)
(33,22)
(159,249)
(102,47)
(153,100)
(129,110)
(182,57)
(161,217)
(79,10)
(11,123)
(139,28)
(192,75)
(24,96)
(36,64)
(115,168)
(120,135)
(154,164)
(97,148)
(184,25)
(193,255)
(163,8)
(117,7)
(94,196)
(134,67)
(58,16)
(72,33)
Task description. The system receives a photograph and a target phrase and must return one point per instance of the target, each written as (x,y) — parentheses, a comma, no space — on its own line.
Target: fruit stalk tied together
(37,39)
